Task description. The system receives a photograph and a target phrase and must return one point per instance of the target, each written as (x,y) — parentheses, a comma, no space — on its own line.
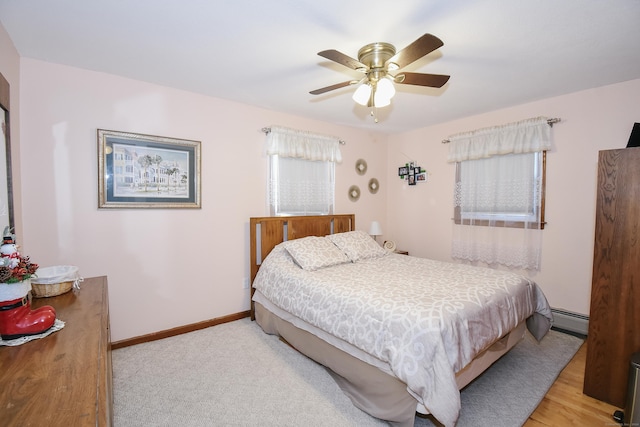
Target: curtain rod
(550,122)
(267,130)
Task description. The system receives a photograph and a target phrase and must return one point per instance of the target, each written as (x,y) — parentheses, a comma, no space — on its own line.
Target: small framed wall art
(412,173)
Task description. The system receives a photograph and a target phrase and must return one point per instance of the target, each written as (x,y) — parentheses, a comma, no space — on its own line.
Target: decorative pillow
(357,245)
(312,253)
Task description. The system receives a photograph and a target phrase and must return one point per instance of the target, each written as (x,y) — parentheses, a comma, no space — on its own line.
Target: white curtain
(286,142)
(498,193)
(526,136)
(301,172)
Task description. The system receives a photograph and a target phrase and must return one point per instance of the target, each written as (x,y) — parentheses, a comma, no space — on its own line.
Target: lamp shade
(385,88)
(362,94)
(383,93)
(380,101)
(375,229)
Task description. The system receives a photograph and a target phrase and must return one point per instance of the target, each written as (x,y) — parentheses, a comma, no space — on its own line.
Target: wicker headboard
(266,232)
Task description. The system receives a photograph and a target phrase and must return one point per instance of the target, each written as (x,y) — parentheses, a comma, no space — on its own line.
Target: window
(301,172)
(499,193)
(301,187)
(505,190)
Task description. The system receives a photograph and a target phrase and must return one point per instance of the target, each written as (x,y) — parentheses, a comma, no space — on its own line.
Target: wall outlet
(245,283)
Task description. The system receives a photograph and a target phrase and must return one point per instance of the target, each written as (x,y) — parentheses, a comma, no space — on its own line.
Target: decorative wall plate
(374,186)
(361,166)
(354,193)
(389,245)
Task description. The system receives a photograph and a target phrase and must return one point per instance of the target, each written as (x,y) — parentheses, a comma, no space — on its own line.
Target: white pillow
(312,253)
(357,245)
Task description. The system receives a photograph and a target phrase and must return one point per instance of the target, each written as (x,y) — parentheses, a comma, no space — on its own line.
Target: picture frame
(421,177)
(147,171)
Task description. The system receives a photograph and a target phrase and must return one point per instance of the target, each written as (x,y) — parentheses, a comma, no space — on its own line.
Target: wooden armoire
(614,320)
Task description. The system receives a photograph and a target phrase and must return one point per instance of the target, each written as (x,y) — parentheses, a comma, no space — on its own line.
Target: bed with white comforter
(418,319)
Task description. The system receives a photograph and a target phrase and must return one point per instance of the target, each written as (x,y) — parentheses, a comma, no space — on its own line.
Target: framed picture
(403,170)
(146,171)
(421,177)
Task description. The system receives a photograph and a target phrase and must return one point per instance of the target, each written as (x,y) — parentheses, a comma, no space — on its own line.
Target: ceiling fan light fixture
(376,61)
(362,94)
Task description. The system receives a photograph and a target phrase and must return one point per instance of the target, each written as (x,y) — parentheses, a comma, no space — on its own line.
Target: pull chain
(374,115)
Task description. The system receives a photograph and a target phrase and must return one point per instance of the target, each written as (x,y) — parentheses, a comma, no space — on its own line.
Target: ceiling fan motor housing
(374,56)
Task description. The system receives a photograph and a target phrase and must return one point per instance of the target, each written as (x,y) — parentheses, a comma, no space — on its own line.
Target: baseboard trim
(562,319)
(179,330)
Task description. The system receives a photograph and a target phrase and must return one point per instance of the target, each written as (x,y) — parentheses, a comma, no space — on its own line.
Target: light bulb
(362,94)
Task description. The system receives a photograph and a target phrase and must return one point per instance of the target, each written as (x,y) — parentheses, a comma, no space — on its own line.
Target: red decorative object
(16,317)
(18,320)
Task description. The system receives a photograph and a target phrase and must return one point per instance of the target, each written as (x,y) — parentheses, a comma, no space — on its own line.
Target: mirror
(6,188)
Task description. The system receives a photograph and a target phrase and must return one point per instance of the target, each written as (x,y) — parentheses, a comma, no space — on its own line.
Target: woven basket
(43,290)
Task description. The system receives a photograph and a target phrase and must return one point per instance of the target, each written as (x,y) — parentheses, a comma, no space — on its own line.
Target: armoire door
(614,320)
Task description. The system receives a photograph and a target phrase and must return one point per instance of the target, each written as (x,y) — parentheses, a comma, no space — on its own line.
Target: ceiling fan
(381,64)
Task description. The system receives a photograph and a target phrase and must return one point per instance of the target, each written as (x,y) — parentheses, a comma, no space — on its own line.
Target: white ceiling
(499,53)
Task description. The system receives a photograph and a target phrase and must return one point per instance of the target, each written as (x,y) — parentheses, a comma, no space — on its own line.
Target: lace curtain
(498,193)
(301,172)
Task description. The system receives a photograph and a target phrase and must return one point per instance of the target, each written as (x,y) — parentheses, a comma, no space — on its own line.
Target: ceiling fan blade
(420,79)
(343,59)
(333,87)
(416,50)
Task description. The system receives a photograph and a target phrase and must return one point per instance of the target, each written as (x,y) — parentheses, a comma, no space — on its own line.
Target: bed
(399,334)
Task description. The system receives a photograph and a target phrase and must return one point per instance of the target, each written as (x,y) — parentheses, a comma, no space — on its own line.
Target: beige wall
(166,268)
(419,218)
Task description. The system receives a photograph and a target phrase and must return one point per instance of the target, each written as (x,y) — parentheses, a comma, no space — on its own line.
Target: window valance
(526,136)
(299,144)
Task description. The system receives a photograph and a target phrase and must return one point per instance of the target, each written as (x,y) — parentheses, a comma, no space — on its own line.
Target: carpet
(513,387)
(236,375)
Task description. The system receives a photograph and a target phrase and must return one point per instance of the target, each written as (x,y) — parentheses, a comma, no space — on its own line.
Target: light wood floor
(565,405)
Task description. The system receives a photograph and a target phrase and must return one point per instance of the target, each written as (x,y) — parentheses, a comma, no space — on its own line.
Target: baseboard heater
(573,322)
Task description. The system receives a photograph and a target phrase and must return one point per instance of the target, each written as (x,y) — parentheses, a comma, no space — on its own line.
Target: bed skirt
(375,392)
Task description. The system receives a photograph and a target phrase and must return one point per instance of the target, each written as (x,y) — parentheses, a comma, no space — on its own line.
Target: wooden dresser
(65,378)
(614,320)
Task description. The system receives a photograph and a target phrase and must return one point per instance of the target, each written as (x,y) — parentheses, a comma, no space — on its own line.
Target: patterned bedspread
(426,319)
